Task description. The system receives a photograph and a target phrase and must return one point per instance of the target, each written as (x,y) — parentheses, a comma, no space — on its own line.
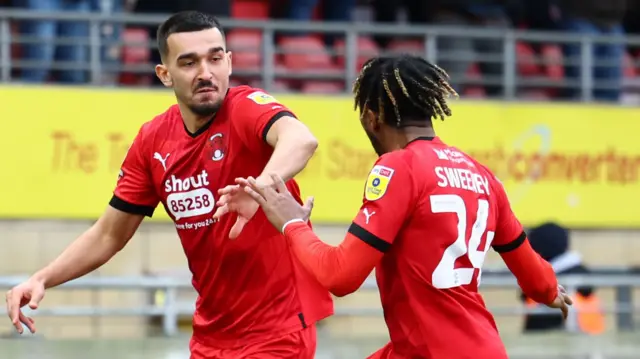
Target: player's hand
(234,199)
(30,292)
(562,302)
(276,201)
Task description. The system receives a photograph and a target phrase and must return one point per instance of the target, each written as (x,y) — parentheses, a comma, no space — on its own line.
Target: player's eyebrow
(194,55)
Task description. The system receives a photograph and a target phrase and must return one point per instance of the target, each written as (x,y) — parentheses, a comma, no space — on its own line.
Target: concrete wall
(28,245)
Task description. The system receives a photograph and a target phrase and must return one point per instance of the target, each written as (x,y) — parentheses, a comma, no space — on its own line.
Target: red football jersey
(250,288)
(435,211)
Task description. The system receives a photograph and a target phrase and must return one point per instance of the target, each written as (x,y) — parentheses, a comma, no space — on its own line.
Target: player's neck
(409,134)
(193,122)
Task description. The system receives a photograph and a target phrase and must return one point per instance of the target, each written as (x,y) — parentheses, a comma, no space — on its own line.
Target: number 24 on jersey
(446,275)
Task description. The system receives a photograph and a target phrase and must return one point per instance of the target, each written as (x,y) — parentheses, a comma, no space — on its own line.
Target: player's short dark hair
(403,90)
(185,21)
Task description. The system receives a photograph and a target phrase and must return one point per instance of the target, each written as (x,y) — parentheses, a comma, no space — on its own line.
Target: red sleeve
(341,269)
(256,111)
(388,201)
(134,191)
(535,276)
(509,231)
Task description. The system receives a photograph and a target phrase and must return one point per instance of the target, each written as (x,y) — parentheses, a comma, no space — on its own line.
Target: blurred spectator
(44,52)
(632,23)
(219,8)
(551,241)
(387,12)
(596,17)
(541,15)
(111,33)
(461,52)
(332,10)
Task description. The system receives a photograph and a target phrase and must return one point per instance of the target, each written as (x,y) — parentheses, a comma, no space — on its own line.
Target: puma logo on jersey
(163,160)
(367,215)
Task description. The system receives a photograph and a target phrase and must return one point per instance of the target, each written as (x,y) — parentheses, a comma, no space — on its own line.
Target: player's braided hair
(403,89)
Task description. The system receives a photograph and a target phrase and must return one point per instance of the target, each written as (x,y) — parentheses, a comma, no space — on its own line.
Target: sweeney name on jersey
(462,178)
(189,197)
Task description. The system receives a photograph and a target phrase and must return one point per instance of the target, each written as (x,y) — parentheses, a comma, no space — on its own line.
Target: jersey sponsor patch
(261,98)
(377,182)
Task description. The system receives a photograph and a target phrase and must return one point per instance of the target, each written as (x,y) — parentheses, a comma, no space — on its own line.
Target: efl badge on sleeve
(377,182)
(262,98)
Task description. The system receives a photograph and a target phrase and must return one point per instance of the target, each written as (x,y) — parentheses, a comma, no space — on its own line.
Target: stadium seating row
(308,56)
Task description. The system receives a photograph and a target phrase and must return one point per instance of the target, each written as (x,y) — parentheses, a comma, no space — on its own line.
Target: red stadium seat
(413,47)
(306,53)
(552,57)
(278,85)
(250,9)
(474,91)
(366,49)
(135,51)
(630,70)
(535,95)
(245,46)
(16,50)
(323,87)
(136,46)
(526,56)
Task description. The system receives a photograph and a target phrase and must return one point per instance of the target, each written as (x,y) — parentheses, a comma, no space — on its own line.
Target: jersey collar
(433,139)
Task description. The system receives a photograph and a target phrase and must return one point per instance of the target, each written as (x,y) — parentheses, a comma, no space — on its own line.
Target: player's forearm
(342,269)
(85,254)
(290,155)
(535,276)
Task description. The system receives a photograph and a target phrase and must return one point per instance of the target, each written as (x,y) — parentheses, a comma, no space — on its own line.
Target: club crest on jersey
(217,147)
(377,182)
(261,98)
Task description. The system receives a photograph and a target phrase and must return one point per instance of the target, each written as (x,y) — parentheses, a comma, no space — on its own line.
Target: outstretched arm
(341,269)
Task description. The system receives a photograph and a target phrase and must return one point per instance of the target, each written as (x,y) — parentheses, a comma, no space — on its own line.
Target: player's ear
(230,63)
(370,120)
(163,74)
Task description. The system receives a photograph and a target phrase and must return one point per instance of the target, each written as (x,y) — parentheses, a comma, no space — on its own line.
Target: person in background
(458,53)
(304,10)
(332,10)
(551,242)
(387,12)
(540,15)
(43,51)
(111,34)
(595,17)
(632,26)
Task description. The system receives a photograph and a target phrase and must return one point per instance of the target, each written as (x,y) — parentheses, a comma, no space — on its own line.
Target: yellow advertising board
(62,148)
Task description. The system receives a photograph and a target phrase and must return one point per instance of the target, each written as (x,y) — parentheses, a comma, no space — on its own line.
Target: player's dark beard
(377,146)
(205,109)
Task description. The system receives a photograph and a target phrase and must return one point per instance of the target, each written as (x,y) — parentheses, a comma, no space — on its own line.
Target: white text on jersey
(462,178)
(175,184)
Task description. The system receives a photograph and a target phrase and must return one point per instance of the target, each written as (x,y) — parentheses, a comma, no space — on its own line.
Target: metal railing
(172,308)
(511,82)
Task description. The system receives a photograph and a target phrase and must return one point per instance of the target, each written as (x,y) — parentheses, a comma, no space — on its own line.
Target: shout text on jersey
(189,197)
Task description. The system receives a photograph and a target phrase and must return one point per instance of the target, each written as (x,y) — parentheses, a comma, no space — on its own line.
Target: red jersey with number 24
(249,289)
(435,212)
